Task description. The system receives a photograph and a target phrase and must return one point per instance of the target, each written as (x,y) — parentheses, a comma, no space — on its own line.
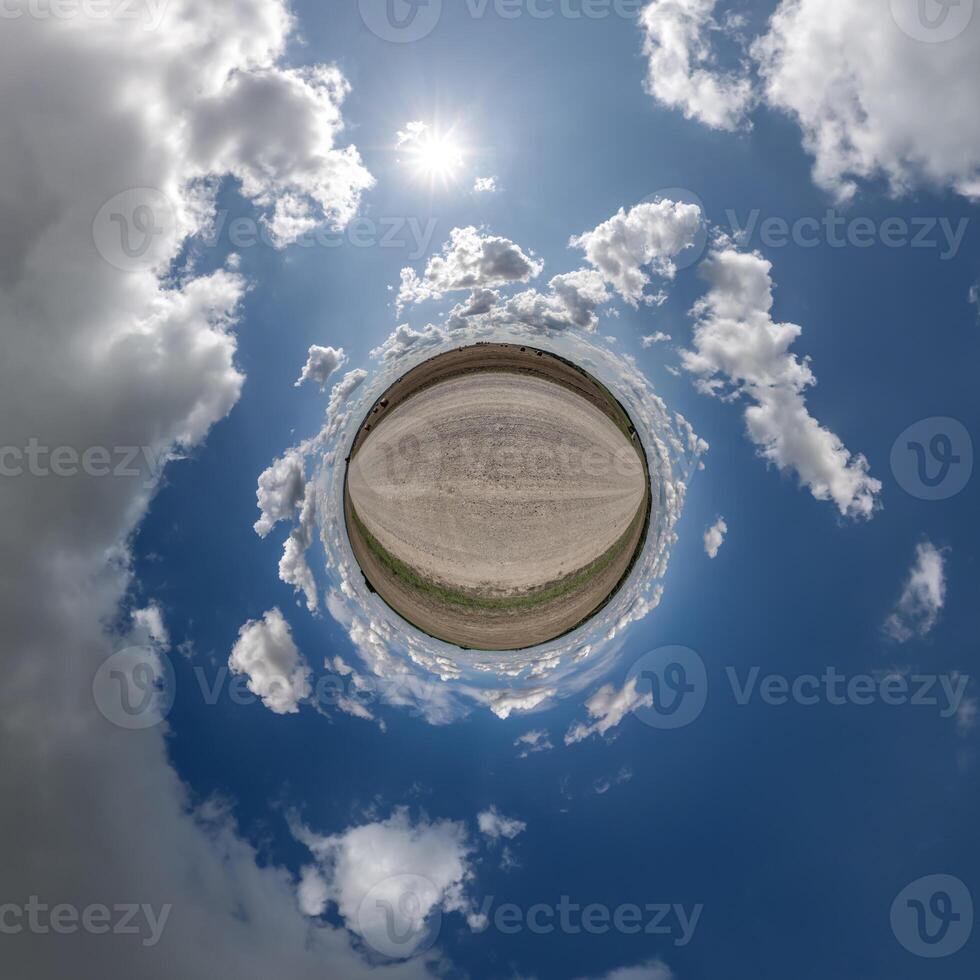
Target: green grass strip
(474,600)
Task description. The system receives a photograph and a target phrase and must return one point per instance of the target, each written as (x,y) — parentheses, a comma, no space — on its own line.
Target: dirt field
(498,498)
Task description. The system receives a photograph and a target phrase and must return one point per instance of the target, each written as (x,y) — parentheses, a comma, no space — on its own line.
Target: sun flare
(431,154)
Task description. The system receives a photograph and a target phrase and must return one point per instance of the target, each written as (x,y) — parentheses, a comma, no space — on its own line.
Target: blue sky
(781,833)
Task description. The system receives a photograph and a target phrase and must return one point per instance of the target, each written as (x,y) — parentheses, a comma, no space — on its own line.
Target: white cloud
(652,970)
(321,363)
(344,388)
(655,338)
(607,708)
(480,303)
(536,740)
(504,703)
(274,129)
(149,620)
(485,185)
(923,595)
(647,237)
(682,73)
(903,114)
(572,300)
(266,654)
(714,537)
(405,340)
(97,357)
(396,867)
(293,567)
(495,825)
(412,133)
(280,491)
(469,260)
(739,348)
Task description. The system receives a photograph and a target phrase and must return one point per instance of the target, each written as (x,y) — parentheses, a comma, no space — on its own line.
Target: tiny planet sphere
(496,496)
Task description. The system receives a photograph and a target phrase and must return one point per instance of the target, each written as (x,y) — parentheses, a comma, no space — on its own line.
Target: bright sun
(431,154)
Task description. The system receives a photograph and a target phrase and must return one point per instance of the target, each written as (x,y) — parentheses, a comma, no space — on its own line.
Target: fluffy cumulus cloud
(321,363)
(495,825)
(283,494)
(280,492)
(571,302)
(714,537)
(740,351)
(470,259)
(607,708)
(923,595)
(632,244)
(659,337)
(266,653)
(903,115)
(485,185)
(144,358)
(388,878)
(275,129)
(683,73)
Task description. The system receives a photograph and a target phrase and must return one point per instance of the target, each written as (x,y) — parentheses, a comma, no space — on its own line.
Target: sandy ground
(497,482)
(497,472)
